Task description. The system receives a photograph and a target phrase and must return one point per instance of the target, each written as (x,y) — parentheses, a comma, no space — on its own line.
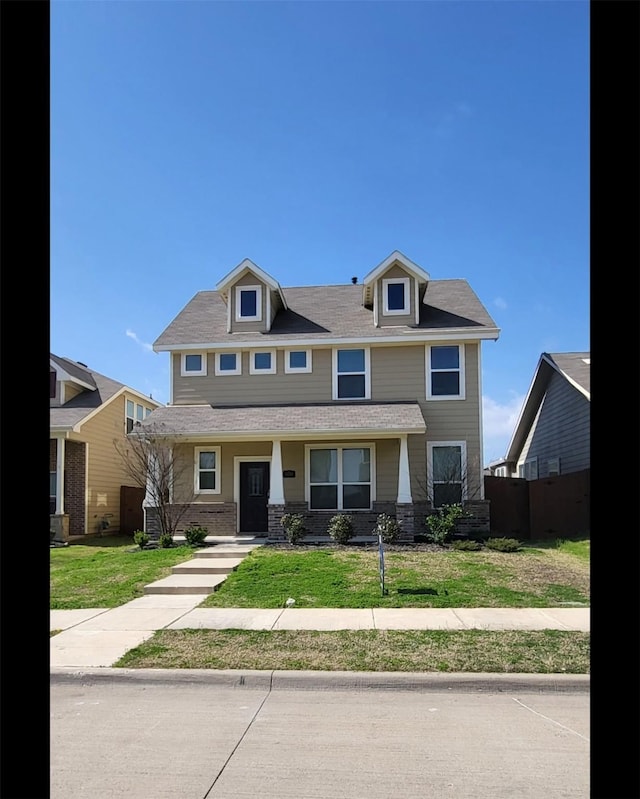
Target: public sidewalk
(98,637)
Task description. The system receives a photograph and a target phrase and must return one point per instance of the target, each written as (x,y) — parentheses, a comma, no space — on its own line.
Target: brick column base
(405,516)
(276,530)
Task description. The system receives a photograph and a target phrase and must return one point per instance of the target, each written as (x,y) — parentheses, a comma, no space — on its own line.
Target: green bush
(503,544)
(340,528)
(141,538)
(195,535)
(166,541)
(467,545)
(442,523)
(293,524)
(388,527)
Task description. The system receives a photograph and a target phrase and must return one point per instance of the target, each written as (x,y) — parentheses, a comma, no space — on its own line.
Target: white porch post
(404,481)
(149,500)
(59,476)
(276,489)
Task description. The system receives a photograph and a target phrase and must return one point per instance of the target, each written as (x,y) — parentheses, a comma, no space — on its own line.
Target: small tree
(148,459)
(293,524)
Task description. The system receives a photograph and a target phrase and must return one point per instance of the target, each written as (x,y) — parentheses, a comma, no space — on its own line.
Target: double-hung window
(207,470)
(351,374)
(248,303)
(228,363)
(262,362)
(447,463)
(340,478)
(194,364)
(395,296)
(445,372)
(130,416)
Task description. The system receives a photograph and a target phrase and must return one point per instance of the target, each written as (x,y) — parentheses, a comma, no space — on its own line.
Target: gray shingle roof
(74,411)
(327,312)
(74,369)
(294,420)
(573,365)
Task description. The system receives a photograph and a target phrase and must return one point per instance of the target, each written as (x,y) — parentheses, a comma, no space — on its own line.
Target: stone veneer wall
(219,519)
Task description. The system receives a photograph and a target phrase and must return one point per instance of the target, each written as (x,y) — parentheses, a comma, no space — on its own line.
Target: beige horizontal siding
(246,388)
(397,373)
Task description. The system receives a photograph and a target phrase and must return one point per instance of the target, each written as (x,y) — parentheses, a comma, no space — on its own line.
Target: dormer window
(248,303)
(52,384)
(194,364)
(395,296)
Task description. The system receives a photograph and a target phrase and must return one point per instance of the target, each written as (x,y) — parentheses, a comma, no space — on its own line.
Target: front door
(254,495)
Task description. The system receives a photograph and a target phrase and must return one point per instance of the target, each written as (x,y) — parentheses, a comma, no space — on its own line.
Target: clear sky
(315,138)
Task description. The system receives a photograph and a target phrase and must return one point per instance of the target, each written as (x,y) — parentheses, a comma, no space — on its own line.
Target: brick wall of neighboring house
(53,454)
(219,519)
(74,485)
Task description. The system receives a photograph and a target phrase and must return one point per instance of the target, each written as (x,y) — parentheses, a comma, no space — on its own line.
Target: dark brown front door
(254,494)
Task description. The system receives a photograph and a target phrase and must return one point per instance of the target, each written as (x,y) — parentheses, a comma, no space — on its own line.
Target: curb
(334,680)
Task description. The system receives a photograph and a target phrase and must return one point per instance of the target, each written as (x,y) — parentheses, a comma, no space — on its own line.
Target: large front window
(340,478)
(447,462)
(351,378)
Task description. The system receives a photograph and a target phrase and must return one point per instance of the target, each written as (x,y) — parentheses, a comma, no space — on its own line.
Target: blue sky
(315,138)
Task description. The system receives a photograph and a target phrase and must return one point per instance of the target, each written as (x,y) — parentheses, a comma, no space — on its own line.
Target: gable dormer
(67,379)
(252,297)
(394,290)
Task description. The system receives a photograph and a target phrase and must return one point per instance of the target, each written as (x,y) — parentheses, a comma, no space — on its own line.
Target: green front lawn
(106,572)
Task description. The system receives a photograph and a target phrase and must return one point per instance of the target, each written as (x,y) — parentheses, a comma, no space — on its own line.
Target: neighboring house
(356,398)
(88,412)
(552,434)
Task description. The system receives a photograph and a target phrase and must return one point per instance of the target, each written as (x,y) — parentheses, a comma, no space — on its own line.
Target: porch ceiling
(380,419)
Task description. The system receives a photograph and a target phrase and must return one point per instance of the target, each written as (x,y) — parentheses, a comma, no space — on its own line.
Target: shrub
(141,538)
(166,540)
(388,527)
(195,535)
(293,525)
(467,545)
(442,523)
(340,528)
(503,544)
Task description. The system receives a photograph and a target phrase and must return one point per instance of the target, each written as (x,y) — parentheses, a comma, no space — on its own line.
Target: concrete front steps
(208,569)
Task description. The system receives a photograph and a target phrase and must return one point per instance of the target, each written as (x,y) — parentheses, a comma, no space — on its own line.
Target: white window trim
(258,316)
(367,374)
(342,445)
(252,363)
(297,369)
(431,445)
(461,370)
(385,296)
(223,372)
(196,470)
(127,417)
(201,372)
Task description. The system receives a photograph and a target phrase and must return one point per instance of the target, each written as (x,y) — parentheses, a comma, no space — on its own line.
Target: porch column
(276,488)
(59,476)
(404,481)
(149,500)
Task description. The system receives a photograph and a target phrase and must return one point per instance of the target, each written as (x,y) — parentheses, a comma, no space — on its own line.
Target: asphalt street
(181,735)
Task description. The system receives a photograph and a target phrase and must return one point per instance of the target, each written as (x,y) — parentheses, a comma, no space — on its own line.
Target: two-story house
(88,412)
(359,398)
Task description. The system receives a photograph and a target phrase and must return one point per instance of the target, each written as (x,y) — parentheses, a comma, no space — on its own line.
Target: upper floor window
(351,374)
(447,463)
(228,363)
(207,470)
(135,413)
(130,415)
(297,361)
(262,362)
(445,372)
(395,296)
(248,303)
(52,384)
(194,364)
(529,469)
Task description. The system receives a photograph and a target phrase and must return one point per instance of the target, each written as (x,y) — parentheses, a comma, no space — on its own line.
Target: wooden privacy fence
(551,507)
(131,513)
